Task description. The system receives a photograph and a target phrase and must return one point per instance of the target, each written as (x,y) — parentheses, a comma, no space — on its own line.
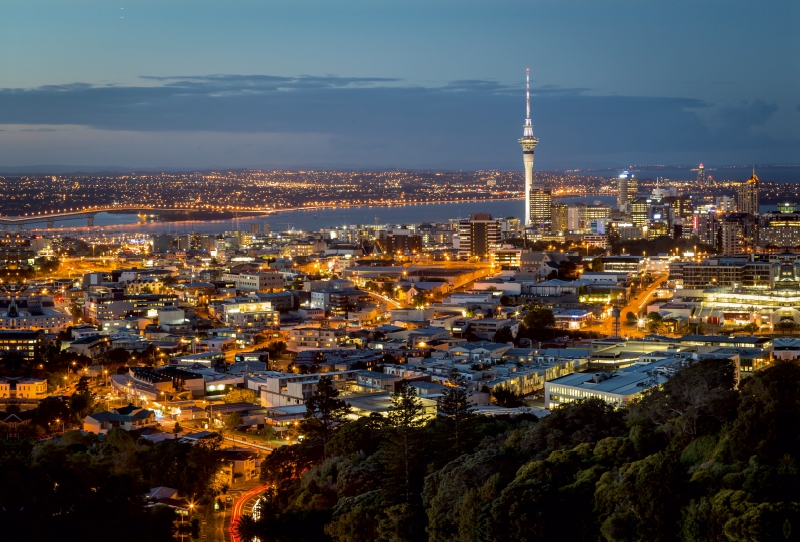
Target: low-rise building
(127,418)
(315,338)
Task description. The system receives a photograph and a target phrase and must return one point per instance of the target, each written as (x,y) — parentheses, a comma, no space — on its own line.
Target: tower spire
(528,95)
(527,130)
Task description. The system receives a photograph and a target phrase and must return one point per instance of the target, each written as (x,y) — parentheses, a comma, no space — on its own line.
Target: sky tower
(528,142)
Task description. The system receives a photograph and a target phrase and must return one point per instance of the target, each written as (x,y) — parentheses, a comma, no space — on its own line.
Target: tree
(325,412)
(456,406)
(117,356)
(537,318)
(631,318)
(404,419)
(76,310)
(82,387)
(506,397)
(241,395)
(655,322)
(232,421)
(567,270)
(504,335)
(80,405)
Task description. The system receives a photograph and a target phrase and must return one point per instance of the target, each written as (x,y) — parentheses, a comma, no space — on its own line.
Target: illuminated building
(640,211)
(28,344)
(706,225)
(528,143)
(738,233)
(701,174)
(478,235)
(32,313)
(781,229)
(747,195)
(580,216)
(541,202)
(627,190)
(558,215)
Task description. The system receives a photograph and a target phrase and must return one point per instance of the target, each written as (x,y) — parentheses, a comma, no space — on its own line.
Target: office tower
(701,175)
(725,204)
(627,190)
(558,214)
(706,225)
(748,196)
(681,206)
(580,216)
(528,142)
(597,211)
(738,233)
(541,201)
(640,211)
(780,229)
(478,235)
(254,228)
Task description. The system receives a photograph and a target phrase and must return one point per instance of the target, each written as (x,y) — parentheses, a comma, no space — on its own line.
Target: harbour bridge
(88,213)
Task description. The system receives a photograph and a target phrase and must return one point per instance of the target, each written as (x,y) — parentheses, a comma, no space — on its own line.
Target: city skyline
(143,87)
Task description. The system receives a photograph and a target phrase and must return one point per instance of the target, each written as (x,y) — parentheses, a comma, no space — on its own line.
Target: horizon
(442,85)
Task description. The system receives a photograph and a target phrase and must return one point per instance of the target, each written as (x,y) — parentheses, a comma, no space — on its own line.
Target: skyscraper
(528,142)
(558,214)
(478,235)
(748,196)
(540,209)
(627,190)
(701,175)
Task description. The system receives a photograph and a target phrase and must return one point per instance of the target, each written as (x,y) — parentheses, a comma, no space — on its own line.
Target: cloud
(382,121)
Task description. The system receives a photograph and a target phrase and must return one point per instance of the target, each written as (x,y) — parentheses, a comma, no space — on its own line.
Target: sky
(397,84)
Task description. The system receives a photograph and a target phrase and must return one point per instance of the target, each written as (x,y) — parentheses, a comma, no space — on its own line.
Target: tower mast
(528,142)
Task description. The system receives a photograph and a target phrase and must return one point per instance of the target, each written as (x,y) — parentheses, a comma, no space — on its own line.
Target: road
(387,300)
(243,505)
(635,306)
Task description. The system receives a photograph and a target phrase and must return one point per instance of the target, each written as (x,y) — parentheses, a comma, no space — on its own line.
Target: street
(634,305)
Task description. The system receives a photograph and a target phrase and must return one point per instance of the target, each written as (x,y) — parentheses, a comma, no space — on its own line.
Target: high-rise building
(528,143)
(580,215)
(748,196)
(640,211)
(478,235)
(558,214)
(701,175)
(738,233)
(627,190)
(706,225)
(540,212)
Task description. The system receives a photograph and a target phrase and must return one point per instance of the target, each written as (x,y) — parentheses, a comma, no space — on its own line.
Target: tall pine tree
(405,418)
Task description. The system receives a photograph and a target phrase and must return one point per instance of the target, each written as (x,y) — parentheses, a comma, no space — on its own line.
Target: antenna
(527,130)
(528,95)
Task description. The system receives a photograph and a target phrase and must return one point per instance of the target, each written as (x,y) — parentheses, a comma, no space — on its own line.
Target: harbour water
(315,219)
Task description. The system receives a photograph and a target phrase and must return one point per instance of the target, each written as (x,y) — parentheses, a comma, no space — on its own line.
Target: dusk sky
(405,84)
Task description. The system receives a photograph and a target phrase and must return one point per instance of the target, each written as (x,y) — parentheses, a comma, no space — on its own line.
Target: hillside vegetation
(697,460)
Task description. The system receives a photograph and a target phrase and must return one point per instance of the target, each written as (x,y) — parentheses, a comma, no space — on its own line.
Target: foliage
(232,421)
(83,487)
(503,335)
(241,395)
(506,397)
(702,457)
(325,412)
